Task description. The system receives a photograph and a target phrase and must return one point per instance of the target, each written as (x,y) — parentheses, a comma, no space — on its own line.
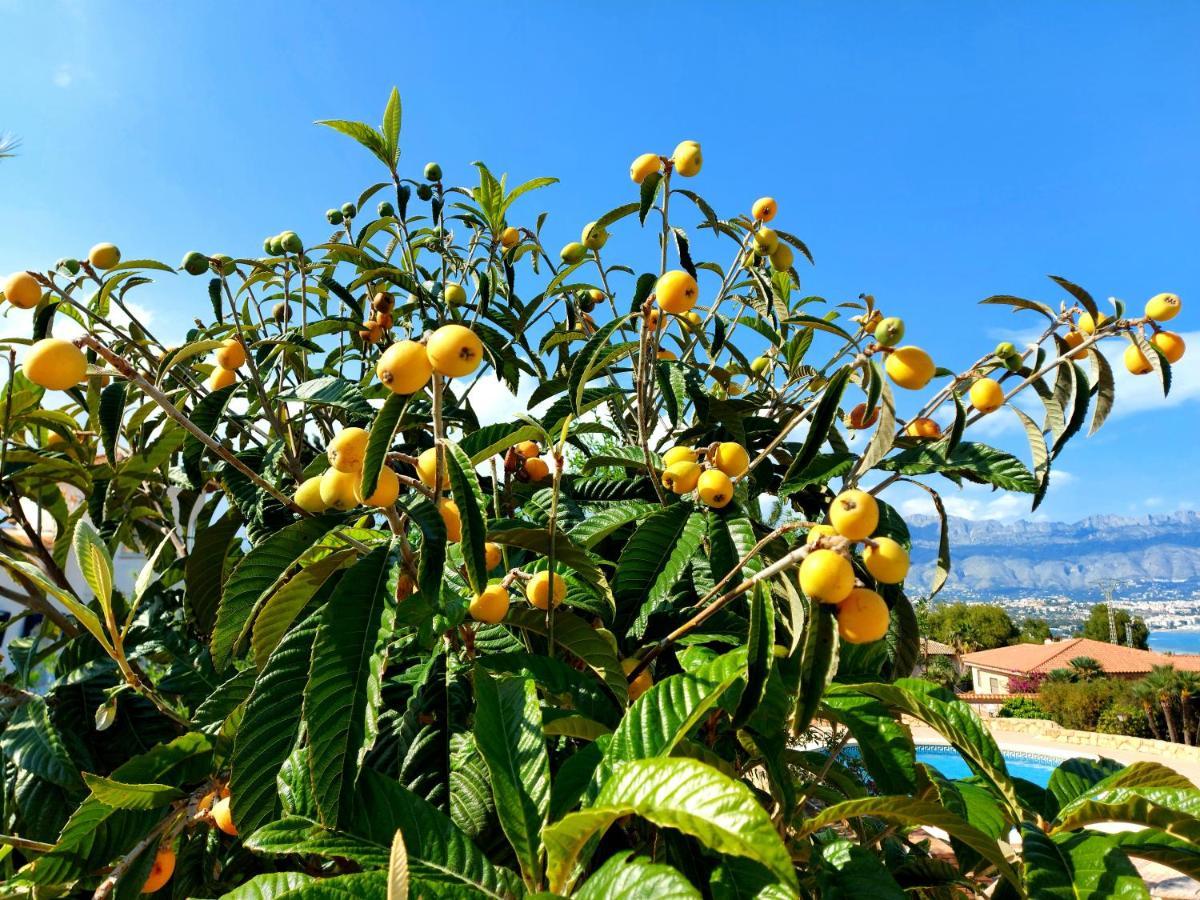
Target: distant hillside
(1156,555)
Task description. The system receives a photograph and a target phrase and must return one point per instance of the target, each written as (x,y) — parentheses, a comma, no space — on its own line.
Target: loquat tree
(383,646)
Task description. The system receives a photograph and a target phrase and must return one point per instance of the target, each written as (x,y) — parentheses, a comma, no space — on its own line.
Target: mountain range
(1150,556)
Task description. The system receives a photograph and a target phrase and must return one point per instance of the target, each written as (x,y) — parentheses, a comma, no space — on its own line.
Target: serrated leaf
(1076,866)
(576,636)
(566,552)
(282,607)
(508,732)
(206,416)
(379,441)
(472,506)
(120,795)
(625,875)
(344,692)
(269,728)
(820,422)
(95,563)
(652,562)
(671,793)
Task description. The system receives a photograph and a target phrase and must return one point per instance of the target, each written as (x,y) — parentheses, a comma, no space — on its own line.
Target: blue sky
(931,154)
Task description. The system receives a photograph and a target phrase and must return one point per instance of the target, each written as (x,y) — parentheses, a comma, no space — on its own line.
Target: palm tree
(1086,668)
(1163,680)
(1189,688)
(1145,694)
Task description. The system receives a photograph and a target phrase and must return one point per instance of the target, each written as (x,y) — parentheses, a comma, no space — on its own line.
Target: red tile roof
(1024,659)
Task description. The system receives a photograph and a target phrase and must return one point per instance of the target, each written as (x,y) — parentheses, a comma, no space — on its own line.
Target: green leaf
(269,886)
(440,855)
(472,506)
(343,696)
(338,393)
(759,652)
(851,870)
(204,570)
(1105,390)
(1074,776)
(1040,453)
(576,636)
(1078,866)
(269,728)
(667,712)
(391,126)
(206,416)
(819,664)
(566,552)
(1084,298)
(379,441)
(688,796)
(508,732)
(95,562)
(603,522)
(112,408)
(909,812)
(298,835)
(492,439)
(626,875)
(1156,846)
(282,607)
(975,462)
(258,572)
(365,135)
(885,744)
(649,190)
(33,744)
(120,795)
(653,561)
(1019,303)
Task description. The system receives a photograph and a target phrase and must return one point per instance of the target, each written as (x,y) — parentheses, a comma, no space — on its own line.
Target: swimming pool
(1033,767)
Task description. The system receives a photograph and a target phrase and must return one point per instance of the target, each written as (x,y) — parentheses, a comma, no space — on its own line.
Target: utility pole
(1108,586)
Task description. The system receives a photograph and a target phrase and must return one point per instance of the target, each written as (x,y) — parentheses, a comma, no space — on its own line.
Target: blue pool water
(1030,766)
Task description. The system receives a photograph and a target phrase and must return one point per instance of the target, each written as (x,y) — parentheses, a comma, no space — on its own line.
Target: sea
(1175,640)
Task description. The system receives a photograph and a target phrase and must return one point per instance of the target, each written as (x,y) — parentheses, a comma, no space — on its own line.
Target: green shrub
(1023,708)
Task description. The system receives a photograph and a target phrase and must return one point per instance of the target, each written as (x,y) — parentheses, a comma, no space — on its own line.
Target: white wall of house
(988,681)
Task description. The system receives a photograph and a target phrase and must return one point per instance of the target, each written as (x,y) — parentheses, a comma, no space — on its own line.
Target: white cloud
(63,77)
(1141,393)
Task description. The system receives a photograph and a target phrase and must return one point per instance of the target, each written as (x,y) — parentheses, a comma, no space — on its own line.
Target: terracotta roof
(930,647)
(1023,659)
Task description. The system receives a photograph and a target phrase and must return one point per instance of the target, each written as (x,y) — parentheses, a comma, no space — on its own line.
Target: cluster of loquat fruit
(709,471)
(827,572)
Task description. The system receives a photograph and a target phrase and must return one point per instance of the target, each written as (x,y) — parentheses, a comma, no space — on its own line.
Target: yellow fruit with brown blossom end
(923,428)
(688,158)
(765,241)
(1163,307)
(986,395)
(854,514)
(910,367)
(347,449)
(537,589)
(1169,345)
(666,356)
(715,488)
(490,605)
(454,351)
(55,364)
(764,209)
(536,468)
(339,490)
(862,617)
(22,290)
(427,469)
(404,367)
(644,166)
(104,256)
(642,683)
(223,817)
(451,518)
(161,871)
(492,556)
(1088,325)
(826,576)
(676,292)
(1136,362)
(509,238)
(887,561)
(732,459)
(681,477)
(387,489)
(231,354)
(308,495)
